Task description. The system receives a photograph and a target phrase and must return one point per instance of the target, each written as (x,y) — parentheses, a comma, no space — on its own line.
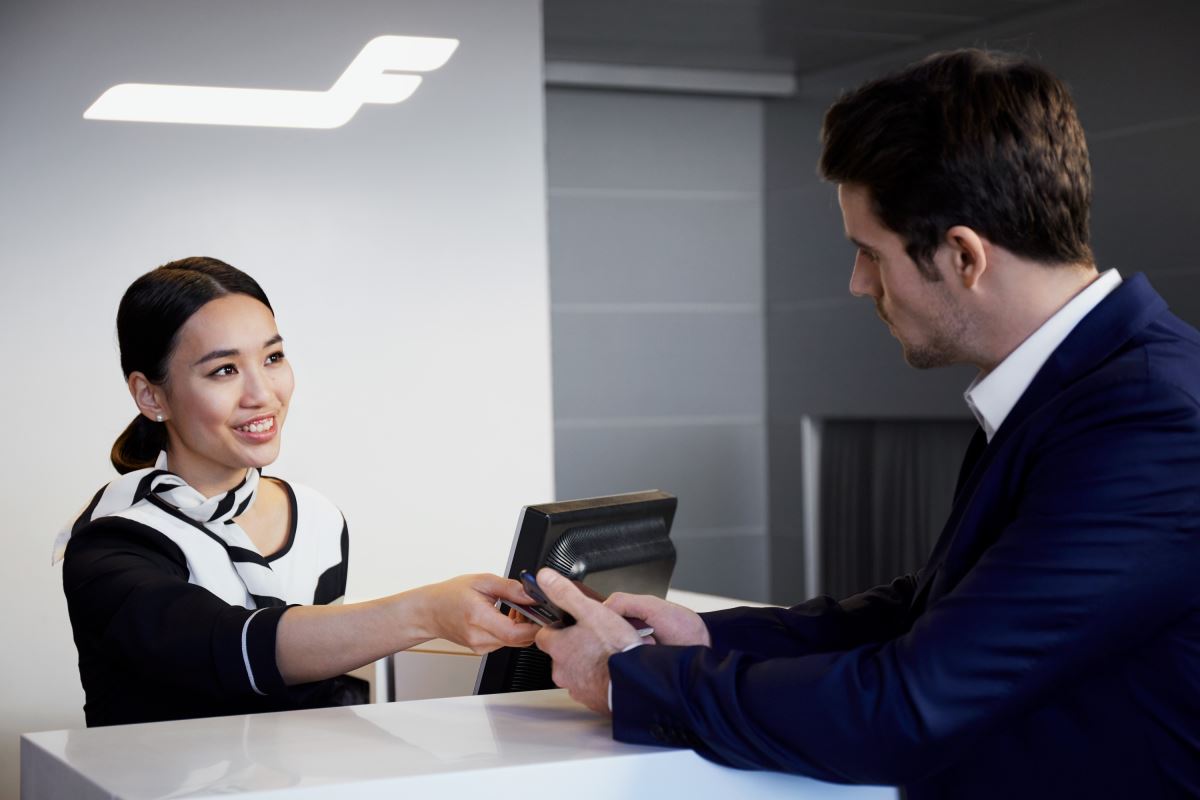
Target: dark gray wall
(1132,68)
(655,218)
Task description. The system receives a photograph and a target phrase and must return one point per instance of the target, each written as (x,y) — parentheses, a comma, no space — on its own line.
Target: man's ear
(968,255)
(150,399)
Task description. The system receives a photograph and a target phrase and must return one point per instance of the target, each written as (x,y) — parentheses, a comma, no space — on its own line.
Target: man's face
(926,316)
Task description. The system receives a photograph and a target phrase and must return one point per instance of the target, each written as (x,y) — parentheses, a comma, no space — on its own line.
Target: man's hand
(580,652)
(672,623)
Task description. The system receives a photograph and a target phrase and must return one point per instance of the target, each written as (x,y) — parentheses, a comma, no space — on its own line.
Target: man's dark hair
(971,138)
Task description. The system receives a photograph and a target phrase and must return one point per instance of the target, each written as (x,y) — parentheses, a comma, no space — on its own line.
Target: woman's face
(227,393)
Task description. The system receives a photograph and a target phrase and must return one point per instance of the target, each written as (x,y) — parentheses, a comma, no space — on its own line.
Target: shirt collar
(992,396)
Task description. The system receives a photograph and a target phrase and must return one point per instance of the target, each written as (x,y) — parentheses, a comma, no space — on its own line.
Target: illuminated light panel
(371,78)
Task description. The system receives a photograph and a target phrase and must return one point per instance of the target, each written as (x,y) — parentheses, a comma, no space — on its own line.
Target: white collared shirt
(991,397)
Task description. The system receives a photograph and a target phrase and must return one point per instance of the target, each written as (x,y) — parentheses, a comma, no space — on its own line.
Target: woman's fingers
(492,628)
(501,588)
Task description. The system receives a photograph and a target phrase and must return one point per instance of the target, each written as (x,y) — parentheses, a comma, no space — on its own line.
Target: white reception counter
(528,745)
(521,746)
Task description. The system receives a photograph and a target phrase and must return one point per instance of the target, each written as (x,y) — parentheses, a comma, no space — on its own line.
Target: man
(1050,647)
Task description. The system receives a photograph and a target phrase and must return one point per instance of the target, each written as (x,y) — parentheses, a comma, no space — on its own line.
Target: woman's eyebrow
(217,354)
(276,339)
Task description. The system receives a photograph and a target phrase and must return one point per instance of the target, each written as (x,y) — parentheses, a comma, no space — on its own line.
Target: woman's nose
(256,389)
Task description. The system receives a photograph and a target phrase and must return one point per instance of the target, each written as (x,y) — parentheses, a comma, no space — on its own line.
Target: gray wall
(656,292)
(656,297)
(1132,68)
(405,255)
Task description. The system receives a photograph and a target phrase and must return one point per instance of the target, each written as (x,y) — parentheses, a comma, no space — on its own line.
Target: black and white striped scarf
(213,515)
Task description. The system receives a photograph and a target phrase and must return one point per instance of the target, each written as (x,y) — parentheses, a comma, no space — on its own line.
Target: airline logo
(379,74)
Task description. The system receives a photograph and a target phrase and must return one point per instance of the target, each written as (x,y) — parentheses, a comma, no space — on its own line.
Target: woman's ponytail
(138,445)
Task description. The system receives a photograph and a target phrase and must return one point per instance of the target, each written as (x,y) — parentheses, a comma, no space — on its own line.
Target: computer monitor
(616,543)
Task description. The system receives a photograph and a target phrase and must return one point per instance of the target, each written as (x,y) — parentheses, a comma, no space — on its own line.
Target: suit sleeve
(127,592)
(1100,557)
(817,626)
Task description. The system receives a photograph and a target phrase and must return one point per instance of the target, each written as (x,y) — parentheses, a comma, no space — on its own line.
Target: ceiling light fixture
(372,77)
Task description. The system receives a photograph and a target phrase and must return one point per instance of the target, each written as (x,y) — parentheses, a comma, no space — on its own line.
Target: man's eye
(275,357)
(224,369)
(870,255)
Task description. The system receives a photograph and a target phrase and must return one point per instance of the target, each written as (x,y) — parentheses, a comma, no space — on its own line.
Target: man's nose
(864,279)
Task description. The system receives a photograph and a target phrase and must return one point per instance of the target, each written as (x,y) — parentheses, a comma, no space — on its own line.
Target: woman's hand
(317,642)
(672,623)
(463,610)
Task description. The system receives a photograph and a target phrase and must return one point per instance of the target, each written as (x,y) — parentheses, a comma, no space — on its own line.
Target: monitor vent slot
(596,548)
(531,671)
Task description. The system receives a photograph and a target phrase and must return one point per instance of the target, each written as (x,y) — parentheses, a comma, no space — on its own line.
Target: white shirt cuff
(626,650)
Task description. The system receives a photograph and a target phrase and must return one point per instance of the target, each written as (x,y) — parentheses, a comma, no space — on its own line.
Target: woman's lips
(260,429)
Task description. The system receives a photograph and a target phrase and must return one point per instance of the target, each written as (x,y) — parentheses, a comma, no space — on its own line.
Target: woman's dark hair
(154,308)
(972,138)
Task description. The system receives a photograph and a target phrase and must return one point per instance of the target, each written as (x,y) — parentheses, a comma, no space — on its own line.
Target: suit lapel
(1112,323)
(974,452)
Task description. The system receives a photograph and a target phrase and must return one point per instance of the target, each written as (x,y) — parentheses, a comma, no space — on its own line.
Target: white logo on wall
(374,76)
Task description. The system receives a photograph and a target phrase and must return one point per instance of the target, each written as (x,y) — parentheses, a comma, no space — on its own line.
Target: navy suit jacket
(1050,647)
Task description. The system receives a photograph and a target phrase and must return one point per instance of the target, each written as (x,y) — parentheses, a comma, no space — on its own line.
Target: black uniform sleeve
(130,602)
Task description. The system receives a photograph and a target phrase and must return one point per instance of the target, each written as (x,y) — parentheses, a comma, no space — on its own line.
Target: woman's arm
(128,595)
(316,642)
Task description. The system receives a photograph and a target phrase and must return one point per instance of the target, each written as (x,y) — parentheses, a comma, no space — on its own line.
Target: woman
(197,587)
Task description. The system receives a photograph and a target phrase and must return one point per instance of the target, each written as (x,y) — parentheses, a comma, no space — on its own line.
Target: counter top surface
(372,750)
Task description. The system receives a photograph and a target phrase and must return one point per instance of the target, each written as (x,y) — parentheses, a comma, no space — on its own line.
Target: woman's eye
(275,358)
(869,255)
(224,369)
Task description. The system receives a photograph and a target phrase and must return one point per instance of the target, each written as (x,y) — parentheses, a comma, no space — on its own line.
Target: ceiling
(796,36)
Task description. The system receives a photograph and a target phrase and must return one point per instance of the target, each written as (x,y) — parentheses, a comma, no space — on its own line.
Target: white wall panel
(404,252)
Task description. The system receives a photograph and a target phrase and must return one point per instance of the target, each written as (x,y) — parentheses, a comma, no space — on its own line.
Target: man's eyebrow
(859,244)
(276,339)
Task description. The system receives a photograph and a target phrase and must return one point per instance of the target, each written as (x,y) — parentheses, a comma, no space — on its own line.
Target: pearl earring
(158,418)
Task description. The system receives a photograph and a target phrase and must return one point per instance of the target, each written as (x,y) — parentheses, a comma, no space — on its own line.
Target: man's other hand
(580,652)
(672,623)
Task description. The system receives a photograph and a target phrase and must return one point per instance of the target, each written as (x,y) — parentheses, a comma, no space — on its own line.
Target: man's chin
(926,357)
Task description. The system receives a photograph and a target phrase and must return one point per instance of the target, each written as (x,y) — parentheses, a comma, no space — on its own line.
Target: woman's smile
(261,425)
(228,393)
(259,429)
